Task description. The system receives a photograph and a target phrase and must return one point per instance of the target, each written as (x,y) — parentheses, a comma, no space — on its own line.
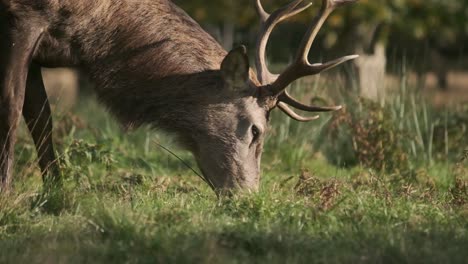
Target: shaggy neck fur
(156,65)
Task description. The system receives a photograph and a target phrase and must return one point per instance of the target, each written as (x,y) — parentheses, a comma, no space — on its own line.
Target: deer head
(161,68)
(229,150)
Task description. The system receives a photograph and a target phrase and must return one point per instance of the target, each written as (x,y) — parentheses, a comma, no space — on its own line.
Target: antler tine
(328,6)
(261,11)
(268,22)
(287,99)
(301,66)
(283,107)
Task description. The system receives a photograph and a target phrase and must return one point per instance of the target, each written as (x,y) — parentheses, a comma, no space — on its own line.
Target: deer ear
(235,68)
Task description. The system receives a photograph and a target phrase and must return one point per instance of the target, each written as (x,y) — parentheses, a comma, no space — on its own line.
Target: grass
(126,200)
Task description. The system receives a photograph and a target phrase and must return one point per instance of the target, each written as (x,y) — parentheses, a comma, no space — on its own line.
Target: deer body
(131,49)
(150,63)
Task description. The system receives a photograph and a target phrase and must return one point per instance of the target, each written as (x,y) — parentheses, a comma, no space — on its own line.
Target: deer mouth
(222,185)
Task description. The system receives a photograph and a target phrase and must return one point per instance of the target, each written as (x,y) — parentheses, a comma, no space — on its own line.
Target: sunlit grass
(127,200)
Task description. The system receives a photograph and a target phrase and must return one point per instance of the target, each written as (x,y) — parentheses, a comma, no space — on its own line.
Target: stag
(152,64)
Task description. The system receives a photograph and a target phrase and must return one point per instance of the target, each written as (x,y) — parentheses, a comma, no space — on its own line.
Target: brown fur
(150,63)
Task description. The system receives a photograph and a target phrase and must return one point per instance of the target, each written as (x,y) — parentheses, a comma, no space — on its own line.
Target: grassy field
(372,184)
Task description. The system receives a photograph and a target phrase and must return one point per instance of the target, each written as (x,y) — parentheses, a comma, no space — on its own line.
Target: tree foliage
(441,22)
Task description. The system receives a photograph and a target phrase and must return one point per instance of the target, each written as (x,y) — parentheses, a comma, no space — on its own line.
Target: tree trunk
(371,70)
(228,35)
(62,85)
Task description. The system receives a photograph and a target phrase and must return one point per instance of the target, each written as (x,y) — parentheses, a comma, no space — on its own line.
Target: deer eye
(255,133)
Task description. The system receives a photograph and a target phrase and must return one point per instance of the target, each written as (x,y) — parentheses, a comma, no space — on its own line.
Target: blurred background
(426,37)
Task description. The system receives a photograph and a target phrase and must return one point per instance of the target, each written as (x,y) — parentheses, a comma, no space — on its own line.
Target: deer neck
(159,61)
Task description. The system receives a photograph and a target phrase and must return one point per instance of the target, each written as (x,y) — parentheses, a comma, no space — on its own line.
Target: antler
(268,23)
(301,67)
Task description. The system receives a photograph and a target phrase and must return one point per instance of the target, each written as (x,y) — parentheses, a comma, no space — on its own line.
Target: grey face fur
(229,152)
(229,146)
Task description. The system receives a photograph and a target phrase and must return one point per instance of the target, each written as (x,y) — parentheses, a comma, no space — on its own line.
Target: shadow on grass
(126,244)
